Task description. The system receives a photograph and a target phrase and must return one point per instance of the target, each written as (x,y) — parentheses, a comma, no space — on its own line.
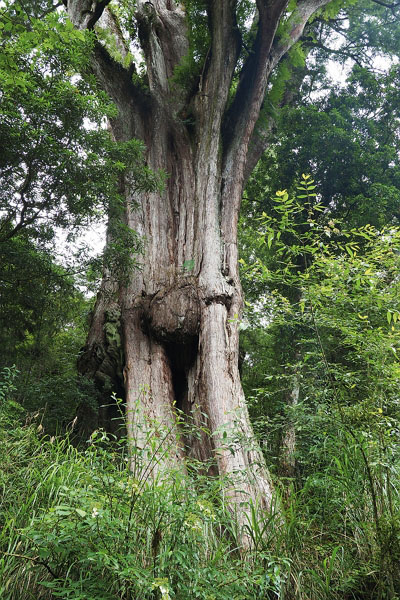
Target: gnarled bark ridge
(179,315)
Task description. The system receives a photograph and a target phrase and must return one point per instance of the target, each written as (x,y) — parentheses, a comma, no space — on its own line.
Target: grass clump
(77,523)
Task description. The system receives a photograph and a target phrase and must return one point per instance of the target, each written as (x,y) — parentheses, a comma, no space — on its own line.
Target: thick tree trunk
(179,315)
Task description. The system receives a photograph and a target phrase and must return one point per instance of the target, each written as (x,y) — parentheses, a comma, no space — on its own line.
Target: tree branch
(295,27)
(386,5)
(109,22)
(33,559)
(257,146)
(163,36)
(260,138)
(84,14)
(243,114)
(22,224)
(45,12)
(114,79)
(225,45)
(338,52)
(211,98)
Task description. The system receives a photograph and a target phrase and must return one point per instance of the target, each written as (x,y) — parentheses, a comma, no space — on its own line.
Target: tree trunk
(180,312)
(287,458)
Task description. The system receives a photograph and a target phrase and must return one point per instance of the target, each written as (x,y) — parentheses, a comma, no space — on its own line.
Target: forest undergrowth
(80,523)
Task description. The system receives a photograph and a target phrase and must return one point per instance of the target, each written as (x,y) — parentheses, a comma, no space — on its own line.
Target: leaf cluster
(58,164)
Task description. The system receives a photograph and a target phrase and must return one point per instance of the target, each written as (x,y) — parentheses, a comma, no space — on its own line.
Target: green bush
(78,524)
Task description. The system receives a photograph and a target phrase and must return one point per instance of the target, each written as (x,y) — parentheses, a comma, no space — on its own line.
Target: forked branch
(225,45)
(295,27)
(266,53)
(85,13)
(112,76)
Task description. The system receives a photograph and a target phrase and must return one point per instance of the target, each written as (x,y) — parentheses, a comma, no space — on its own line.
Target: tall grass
(78,524)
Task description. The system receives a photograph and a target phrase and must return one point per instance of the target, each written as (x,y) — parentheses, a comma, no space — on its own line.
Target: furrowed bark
(178,317)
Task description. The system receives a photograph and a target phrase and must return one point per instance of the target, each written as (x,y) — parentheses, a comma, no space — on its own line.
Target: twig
(33,559)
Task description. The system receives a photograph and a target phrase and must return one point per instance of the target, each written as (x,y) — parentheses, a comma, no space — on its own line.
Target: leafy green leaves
(332,335)
(58,164)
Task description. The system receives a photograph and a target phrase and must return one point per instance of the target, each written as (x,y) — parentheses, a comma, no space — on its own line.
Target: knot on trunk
(103,360)
(173,314)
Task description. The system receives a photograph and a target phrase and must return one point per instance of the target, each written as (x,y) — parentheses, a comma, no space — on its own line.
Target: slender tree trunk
(179,314)
(287,459)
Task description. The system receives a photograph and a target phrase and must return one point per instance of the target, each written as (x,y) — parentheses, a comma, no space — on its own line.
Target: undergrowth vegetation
(77,523)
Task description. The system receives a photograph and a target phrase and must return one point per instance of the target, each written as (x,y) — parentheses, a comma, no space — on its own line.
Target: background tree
(59,171)
(43,322)
(347,134)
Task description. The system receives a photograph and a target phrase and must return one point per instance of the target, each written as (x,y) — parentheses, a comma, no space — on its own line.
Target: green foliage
(294,60)
(88,526)
(335,293)
(56,170)
(371,30)
(7,386)
(46,153)
(350,142)
(42,329)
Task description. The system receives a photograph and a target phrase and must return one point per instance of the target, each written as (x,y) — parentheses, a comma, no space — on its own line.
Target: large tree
(196,103)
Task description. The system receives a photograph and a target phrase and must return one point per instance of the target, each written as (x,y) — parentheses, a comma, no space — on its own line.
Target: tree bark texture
(178,317)
(287,466)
